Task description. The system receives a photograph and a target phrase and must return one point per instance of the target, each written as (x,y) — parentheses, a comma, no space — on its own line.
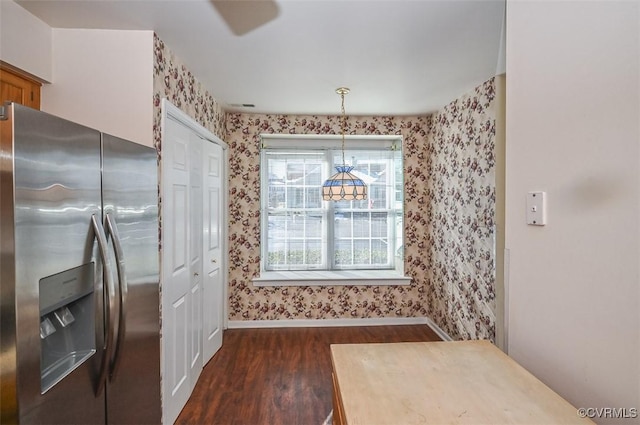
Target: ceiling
(398,57)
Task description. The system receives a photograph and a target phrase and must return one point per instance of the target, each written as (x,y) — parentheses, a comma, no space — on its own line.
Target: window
(301,232)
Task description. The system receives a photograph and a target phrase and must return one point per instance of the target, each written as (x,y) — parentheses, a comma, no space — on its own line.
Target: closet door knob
(196,274)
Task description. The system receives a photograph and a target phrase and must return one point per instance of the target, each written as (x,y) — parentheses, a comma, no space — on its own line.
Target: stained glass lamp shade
(344,186)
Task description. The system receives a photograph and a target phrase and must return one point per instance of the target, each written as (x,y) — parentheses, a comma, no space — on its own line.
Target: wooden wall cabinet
(19,89)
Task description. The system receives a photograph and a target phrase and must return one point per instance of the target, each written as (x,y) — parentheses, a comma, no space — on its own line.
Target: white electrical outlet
(537,208)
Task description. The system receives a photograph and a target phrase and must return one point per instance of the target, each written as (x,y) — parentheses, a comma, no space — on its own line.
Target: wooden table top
(461,382)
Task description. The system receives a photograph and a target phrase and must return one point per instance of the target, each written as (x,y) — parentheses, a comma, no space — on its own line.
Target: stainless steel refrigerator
(79,269)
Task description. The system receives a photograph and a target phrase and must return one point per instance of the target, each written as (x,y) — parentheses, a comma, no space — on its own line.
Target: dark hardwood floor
(279,376)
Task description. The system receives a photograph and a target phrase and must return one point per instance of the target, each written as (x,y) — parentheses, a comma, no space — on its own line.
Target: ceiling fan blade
(243,16)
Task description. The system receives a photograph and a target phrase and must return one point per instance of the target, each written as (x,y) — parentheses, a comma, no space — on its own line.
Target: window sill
(332,278)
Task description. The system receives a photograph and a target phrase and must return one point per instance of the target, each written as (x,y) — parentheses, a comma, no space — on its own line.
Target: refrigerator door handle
(123,286)
(109,304)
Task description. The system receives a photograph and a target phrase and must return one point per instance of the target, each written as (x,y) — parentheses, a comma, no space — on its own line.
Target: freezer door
(130,199)
(58,274)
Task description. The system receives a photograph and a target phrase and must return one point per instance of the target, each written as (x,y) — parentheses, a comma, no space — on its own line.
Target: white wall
(25,41)
(103,79)
(573,117)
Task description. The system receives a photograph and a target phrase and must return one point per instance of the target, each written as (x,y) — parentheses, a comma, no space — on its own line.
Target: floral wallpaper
(460,215)
(247,302)
(172,79)
(449,208)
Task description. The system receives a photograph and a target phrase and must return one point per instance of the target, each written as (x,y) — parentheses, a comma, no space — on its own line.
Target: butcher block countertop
(461,382)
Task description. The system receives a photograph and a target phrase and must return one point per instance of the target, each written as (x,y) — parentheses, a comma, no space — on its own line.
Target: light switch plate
(537,208)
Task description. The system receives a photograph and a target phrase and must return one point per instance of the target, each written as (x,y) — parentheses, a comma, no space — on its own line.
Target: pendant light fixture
(344,186)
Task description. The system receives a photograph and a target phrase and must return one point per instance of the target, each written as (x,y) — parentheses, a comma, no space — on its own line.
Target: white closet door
(195,255)
(193,245)
(213,219)
(176,270)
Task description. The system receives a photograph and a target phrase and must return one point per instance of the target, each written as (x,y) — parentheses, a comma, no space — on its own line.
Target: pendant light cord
(344,126)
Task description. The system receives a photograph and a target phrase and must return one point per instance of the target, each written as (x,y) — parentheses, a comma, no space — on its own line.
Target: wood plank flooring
(279,376)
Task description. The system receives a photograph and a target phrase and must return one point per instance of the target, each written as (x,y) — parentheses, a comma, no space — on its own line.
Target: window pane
(399,253)
(277,225)
(295,226)
(314,174)
(379,252)
(378,196)
(341,205)
(343,252)
(379,226)
(276,241)
(399,179)
(294,197)
(276,196)
(295,255)
(342,224)
(276,258)
(295,240)
(313,225)
(361,225)
(314,252)
(313,198)
(362,239)
(361,252)
(295,172)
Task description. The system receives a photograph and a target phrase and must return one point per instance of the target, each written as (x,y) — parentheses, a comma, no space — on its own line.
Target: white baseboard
(318,323)
(442,334)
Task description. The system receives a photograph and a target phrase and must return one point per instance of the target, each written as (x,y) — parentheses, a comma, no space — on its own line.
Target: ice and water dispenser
(67,323)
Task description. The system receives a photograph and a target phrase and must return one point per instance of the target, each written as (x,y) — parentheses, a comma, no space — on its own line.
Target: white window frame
(393,276)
